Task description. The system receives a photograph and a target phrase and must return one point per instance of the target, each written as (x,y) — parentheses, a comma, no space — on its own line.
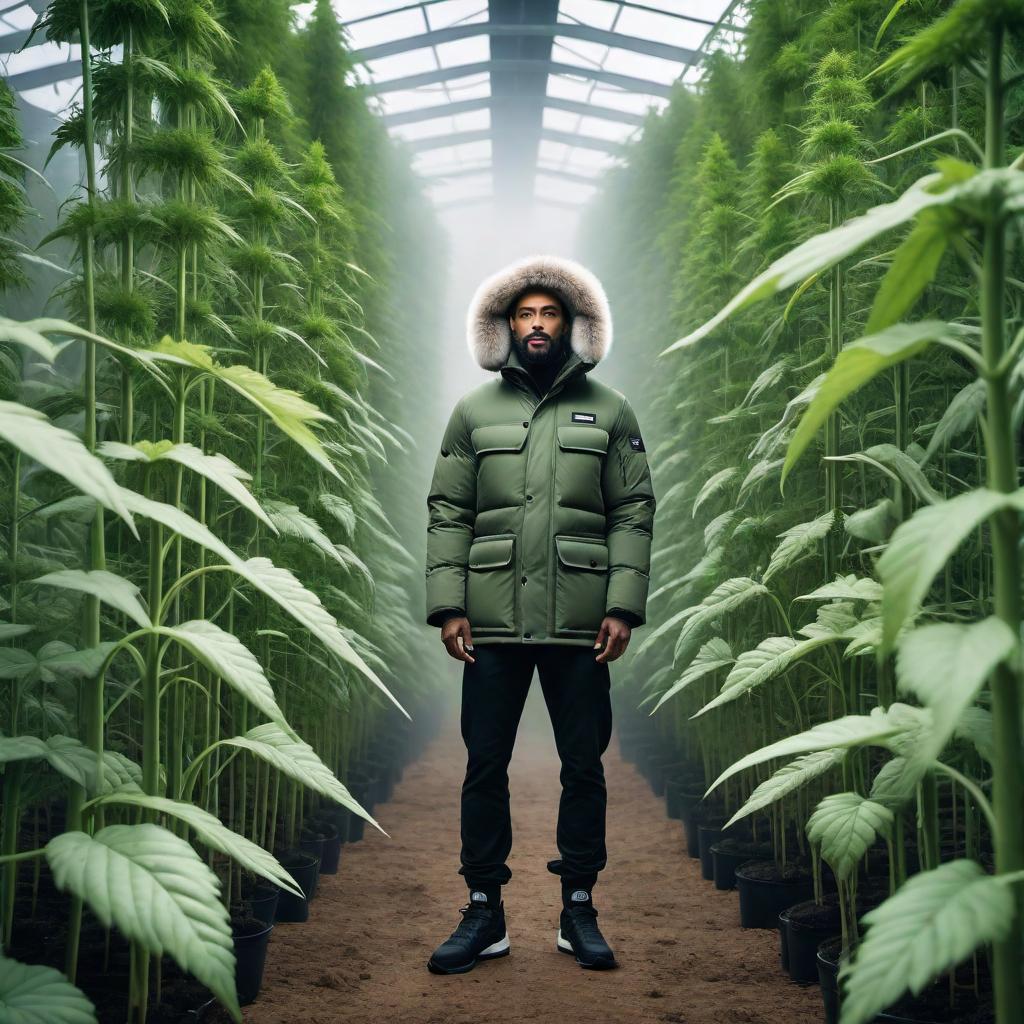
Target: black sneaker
(480,935)
(578,934)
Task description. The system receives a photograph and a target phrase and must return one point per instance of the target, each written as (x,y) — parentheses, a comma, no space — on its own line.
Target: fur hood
(487,331)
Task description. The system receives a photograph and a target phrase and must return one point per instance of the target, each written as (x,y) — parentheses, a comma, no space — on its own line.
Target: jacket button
(524,579)
(593,561)
(529,497)
(444,453)
(527,635)
(526,423)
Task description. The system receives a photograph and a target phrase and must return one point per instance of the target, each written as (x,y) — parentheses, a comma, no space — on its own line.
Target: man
(538,553)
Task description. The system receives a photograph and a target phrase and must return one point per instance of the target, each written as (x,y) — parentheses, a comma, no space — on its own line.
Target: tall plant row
(837,593)
(201,589)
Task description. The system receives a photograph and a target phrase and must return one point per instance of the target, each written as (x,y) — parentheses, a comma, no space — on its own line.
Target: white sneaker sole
(565,946)
(495,949)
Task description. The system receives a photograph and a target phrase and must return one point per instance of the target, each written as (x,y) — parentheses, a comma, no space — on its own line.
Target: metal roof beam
(50,75)
(480,134)
(590,33)
(628,83)
(484,103)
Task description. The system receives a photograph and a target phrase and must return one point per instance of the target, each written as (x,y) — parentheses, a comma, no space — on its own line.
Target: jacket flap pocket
(490,552)
(498,437)
(582,554)
(581,438)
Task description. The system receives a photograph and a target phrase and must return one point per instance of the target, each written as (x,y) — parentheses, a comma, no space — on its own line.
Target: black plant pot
(828,977)
(314,845)
(763,899)
(250,956)
(304,868)
(805,927)
(708,833)
(263,903)
(691,813)
(784,940)
(332,851)
(728,854)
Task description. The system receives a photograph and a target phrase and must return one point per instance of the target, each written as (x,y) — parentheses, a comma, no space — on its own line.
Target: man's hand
(457,638)
(617,634)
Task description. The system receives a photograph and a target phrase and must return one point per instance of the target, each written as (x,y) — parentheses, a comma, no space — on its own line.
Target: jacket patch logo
(584,417)
(637,444)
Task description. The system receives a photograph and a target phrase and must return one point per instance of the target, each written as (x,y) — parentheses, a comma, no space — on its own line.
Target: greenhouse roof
(517,99)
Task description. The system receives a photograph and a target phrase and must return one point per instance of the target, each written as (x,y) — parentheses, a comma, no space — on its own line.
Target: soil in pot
(261,902)
(766,890)
(709,833)
(806,925)
(729,853)
(303,867)
(250,938)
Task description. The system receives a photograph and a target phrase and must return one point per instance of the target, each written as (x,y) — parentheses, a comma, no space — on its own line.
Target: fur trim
(487,330)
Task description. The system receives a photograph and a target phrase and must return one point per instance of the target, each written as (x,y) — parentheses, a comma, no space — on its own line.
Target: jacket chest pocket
(581,453)
(581,583)
(500,466)
(491,583)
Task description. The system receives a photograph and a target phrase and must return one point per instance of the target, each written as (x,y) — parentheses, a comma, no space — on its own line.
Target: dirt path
(362,955)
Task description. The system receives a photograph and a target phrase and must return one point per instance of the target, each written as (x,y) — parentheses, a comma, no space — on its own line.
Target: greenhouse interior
(307,464)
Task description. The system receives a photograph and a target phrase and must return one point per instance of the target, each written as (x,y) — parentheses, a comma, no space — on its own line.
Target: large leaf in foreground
(715,654)
(157,891)
(213,833)
(299,761)
(62,453)
(920,548)
(934,921)
(110,588)
(33,994)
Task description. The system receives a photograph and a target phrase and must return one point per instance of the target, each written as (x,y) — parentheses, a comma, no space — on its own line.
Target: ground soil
(361,956)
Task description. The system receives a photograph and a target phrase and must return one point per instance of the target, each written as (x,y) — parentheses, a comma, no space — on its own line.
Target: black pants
(576,691)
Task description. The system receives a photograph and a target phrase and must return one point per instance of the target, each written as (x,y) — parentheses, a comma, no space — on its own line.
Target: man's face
(537,326)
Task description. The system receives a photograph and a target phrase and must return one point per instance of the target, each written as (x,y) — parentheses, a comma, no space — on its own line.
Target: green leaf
(799,540)
(218,469)
(725,598)
(960,416)
(935,920)
(850,588)
(913,268)
(845,825)
(715,654)
(299,761)
(16,663)
(824,250)
(156,890)
(944,665)
(214,834)
(62,453)
(226,656)
(713,485)
(875,524)
(33,994)
(771,658)
(12,630)
(898,466)
(921,546)
(26,334)
(856,364)
(293,522)
(896,781)
(111,589)
(850,731)
(789,778)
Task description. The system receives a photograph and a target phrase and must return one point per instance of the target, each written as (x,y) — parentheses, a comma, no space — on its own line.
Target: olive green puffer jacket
(541,508)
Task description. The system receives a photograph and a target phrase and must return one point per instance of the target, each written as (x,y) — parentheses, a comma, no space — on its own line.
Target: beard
(550,355)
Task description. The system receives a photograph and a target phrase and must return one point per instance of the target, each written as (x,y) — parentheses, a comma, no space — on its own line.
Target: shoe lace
(474,918)
(585,921)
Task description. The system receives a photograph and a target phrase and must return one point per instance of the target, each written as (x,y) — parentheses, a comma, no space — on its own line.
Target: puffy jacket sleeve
(629,511)
(451,513)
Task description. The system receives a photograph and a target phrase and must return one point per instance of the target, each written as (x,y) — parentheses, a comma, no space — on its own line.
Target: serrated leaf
(299,761)
(920,548)
(879,727)
(715,654)
(153,886)
(935,920)
(62,453)
(845,826)
(799,540)
(874,524)
(857,363)
(945,665)
(214,834)
(226,656)
(291,521)
(713,485)
(110,588)
(960,416)
(896,781)
(34,994)
(851,588)
(790,778)
(899,467)
(725,598)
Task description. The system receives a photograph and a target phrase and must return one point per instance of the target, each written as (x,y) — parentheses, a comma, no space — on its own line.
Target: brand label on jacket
(637,444)
(584,417)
